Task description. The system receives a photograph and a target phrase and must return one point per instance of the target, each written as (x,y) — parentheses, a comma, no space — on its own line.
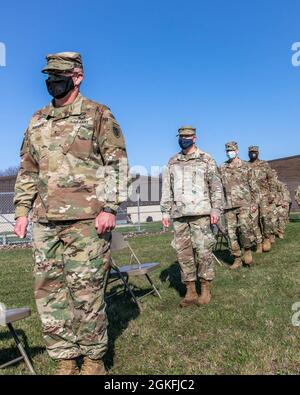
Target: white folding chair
(8,317)
(123,273)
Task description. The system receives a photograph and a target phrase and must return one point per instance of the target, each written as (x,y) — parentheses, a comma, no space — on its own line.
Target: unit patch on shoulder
(116,131)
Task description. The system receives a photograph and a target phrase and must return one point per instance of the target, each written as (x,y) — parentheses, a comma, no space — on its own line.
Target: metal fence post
(138,191)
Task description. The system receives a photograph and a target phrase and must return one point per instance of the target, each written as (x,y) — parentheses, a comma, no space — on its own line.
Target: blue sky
(224,67)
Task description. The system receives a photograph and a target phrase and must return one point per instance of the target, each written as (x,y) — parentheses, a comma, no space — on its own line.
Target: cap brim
(48,69)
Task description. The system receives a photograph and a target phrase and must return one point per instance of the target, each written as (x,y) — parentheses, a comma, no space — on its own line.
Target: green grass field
(145,227)
(247,329)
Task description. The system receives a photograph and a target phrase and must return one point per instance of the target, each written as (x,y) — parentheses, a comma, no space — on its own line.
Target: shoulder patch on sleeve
(116,131)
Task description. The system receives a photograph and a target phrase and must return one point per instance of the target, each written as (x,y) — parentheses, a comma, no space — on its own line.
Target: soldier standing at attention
(193,197)
(241,196)
(297,195)
(264,180)
(282,202)
(274,213)
(284,210)
(72,158)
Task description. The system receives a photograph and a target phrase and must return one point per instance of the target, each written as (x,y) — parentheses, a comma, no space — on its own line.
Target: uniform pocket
(97,246)
(82,145)
(202,234)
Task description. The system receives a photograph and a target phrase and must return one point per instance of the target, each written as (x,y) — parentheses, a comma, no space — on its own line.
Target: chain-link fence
(7,222)
(126,221)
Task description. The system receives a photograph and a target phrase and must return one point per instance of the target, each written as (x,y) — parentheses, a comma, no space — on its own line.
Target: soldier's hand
(166,222)
(214,219)
(105,222)
(253,209)
(21,227)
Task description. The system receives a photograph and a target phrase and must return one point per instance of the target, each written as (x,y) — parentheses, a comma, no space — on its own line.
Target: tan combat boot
(93,368)
(259,248)
(267,245)
(191,296)
(67,367)
(272,239)
(237,264)
(248,259)
(205,297)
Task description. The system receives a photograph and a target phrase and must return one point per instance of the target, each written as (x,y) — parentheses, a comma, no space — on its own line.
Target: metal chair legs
(153,286)
(22,351)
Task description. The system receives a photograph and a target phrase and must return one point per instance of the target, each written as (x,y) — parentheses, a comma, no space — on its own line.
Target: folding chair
(123,273)
(8,317)
(221,236)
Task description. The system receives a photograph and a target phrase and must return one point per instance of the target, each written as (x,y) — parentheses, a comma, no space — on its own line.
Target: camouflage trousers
(194,242)
(263,223)
(240,230)
(280,219)
(256,224)
(69,288)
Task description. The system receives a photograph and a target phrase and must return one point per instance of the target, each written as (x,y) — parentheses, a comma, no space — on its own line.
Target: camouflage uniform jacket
(191,186)
(70,161)
(264,179)
(297,196)
(239,187)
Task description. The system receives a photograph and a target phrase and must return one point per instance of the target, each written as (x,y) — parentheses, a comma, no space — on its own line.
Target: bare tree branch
(10,171)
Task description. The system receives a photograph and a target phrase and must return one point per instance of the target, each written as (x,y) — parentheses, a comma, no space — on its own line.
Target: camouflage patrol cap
(63,61)
(254,148)
(186,131)
(231,146)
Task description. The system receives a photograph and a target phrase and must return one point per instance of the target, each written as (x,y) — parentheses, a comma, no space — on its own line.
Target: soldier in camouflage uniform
(274,212)
(73,162)
(297,195)
(265,183)
(192,196)
(284,210)
(282,202)
(241,197)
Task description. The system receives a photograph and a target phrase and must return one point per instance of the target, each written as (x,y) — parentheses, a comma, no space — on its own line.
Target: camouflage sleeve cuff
(112,206)
(216,211)
(21,211)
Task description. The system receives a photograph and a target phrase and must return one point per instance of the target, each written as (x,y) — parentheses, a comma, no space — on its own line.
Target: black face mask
(59,85)
(253,156)
(185,143)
